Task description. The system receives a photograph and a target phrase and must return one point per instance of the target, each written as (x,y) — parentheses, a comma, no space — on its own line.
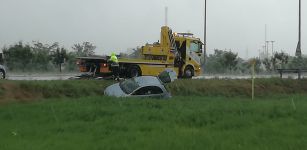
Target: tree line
(40,57)
(222,61)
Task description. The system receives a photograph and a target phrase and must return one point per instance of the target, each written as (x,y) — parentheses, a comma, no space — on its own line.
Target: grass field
(179,123)
(212,120)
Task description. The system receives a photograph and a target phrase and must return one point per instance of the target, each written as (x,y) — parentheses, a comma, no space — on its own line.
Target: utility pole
(205,31)
(253,63)
(298,52)
(265,43)
(272,47)
(166,16)
(259,53)
(263,54)
(267,48)
(247,52)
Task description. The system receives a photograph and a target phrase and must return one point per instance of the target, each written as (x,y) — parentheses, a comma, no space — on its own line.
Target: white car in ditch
(143,86)
(2,72)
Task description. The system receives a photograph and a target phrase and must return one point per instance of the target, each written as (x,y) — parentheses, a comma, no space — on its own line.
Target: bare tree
(58,57)
(84,49)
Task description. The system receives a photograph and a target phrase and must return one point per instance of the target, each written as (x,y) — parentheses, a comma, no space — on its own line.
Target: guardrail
(298,71)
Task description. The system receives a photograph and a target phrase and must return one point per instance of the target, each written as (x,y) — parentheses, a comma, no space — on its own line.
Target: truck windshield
(194,47)
(128,86)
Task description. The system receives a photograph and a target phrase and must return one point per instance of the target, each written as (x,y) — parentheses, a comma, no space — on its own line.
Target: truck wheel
(188,72)
(2,74)
(134,71)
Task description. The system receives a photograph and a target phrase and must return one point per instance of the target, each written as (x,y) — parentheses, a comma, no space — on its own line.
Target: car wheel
(134,71)
(2,74)
(188,72)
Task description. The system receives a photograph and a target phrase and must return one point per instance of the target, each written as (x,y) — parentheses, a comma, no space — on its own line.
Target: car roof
(147,81)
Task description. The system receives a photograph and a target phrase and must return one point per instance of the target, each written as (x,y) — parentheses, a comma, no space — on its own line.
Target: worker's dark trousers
(115,70)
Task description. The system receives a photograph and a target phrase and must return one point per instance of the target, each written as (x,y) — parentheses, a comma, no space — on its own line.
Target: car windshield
(128,86)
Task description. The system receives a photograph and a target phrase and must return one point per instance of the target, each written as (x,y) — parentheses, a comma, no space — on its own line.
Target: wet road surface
(68,76)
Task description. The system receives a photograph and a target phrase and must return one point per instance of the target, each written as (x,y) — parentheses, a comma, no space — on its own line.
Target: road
(67,76)
(40,76)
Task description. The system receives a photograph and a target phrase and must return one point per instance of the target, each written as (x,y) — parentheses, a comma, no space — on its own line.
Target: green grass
(213,123)
(207,114)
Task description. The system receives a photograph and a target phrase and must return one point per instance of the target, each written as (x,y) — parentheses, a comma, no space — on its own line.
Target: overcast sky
(116,25)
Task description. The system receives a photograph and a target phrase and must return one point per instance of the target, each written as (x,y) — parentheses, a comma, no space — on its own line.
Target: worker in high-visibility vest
(114,66)
(114,58)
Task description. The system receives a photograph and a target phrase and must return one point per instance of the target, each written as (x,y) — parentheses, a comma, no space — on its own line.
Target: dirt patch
(12,92)
(27,91)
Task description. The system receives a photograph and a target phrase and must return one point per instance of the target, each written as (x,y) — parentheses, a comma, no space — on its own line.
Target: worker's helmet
(113,54)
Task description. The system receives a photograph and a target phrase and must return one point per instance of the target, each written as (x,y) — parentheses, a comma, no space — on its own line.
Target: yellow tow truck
(181,52)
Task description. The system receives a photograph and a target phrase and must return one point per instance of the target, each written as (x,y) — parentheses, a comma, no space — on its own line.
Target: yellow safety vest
(114,58)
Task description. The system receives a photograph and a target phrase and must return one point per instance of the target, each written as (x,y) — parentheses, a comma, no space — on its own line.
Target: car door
(149,91)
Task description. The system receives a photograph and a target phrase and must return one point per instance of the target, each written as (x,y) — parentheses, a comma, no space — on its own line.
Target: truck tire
(188,72)
(134,71)
(2,74)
